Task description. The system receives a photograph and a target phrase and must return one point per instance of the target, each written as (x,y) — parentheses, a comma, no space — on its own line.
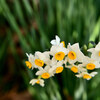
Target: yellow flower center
(90,66)
(63,43)
(72,55)
(86,76)
(99,53)
(39,62)
(59,69)
(28,64)
(59,56)
(74,69)
(45,75)
(38,82)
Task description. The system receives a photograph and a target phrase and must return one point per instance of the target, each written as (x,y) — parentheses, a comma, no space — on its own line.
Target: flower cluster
(53,62)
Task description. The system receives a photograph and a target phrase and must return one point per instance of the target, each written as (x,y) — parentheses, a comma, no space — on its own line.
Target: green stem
(84,95)
(39,76)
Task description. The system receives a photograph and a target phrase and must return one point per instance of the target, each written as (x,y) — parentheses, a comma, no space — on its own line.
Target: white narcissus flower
(76,68)
(74,53)
(57,42)
(57,67)
(95,52)
(39,59)
(86,75)
(45,72)
(90,63)
(30,61)
(45,56)
(37,81)
(58,52)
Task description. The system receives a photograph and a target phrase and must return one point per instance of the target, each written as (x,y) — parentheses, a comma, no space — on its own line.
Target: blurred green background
(29,26)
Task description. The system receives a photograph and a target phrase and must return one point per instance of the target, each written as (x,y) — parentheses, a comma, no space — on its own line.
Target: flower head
(75,53)
(44,72)
(95,52)
(57,67)
(37,81)
(86,75)
(57,42)
(39,59)
(58,52)
(76,68)
(90,63)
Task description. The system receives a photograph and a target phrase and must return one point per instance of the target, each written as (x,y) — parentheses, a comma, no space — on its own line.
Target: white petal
(53,42)
(39,72)
(47,68)
(97,46)
(93,74)
(33,81)
(61,45)
(27,54)
(91,49)
(75,46)
(37,53)
(78,75)
(97,63)
(42,82)
(57,40)
(66,66)
(51,70)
